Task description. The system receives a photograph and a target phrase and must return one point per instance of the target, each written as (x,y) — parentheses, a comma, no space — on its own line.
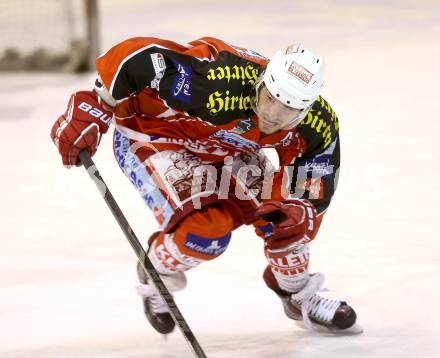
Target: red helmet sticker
(300,72)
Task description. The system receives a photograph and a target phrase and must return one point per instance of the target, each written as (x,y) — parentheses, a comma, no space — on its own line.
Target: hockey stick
(140,253)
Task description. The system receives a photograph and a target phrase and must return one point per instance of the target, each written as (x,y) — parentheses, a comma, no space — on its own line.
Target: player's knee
(205,234)
(201,236)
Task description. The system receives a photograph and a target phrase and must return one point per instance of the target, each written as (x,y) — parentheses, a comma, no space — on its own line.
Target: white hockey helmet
(294,77)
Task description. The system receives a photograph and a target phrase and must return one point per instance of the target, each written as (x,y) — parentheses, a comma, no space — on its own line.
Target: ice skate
(155,308)
(319,313)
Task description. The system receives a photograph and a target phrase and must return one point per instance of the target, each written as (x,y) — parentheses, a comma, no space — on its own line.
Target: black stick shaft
(140,253)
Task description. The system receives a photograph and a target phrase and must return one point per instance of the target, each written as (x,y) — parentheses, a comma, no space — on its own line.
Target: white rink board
(67,272)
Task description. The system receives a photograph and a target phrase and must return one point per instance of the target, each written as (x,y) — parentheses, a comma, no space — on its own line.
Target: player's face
(272,114)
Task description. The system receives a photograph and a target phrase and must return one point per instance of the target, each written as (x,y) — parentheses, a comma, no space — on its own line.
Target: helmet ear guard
(255,92)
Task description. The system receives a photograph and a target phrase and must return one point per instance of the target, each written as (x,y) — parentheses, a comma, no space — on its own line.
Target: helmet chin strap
(297,120)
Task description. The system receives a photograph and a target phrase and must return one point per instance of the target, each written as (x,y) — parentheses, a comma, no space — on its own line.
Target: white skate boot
(319,313)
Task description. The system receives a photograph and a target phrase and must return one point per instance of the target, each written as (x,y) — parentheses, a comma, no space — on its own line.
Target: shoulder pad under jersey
(320,127)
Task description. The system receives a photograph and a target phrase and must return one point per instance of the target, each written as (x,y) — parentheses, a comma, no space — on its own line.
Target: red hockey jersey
(198,96)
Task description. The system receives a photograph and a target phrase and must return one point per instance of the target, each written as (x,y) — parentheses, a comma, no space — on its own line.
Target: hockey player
(189,116)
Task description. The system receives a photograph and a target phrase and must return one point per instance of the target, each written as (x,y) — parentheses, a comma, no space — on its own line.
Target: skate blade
(352,331)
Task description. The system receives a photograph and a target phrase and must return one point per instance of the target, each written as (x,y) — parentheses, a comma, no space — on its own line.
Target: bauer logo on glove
(95,112)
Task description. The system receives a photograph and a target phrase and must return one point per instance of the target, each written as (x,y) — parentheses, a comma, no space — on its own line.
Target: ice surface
(67,273)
